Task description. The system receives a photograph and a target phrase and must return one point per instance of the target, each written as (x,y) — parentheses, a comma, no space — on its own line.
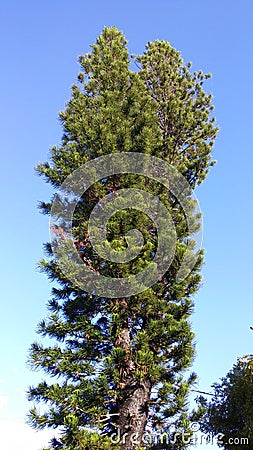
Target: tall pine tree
(118,363)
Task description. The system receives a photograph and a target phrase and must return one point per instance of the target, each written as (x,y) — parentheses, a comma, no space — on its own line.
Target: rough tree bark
(133,412)
(133,403)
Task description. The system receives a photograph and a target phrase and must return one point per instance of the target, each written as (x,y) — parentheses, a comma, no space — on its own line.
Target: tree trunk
(133,402)
(133,412)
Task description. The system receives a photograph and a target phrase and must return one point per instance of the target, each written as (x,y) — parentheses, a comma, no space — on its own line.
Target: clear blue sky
(39,46)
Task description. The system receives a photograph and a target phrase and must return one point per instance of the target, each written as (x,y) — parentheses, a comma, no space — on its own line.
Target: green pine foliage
(183,109)
(118,364)
(229,415)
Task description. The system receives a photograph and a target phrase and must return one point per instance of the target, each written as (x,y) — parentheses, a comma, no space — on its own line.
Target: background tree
(230,411)
(119,362)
